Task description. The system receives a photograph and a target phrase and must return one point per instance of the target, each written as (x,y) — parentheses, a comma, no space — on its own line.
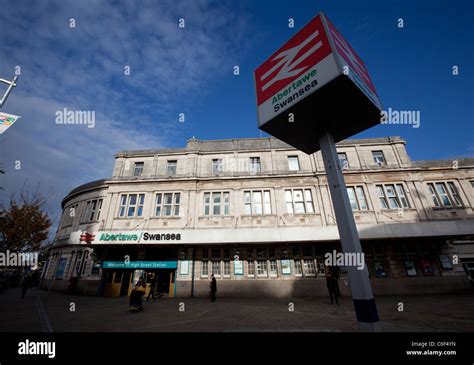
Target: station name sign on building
(318,83)
(109,237)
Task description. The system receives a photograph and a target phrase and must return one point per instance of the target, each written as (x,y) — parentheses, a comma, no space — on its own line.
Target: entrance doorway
(117,282)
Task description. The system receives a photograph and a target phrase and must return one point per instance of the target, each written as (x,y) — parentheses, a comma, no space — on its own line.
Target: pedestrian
(331,283)
(25,285)
(152,288)
(213,287)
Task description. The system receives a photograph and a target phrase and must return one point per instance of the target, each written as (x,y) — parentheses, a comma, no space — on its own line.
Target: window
(171,168)
(167,204)
(92,212)
(444,194)
(392,196)
(293,163)
(205,268)
(262,268)
(226,268)
(299,201)
(257,202)
(70,214)
(298,267)
(454,194)
(357,197)
(138,169)
(309,267)
(205,254)
(273,268)
(216,268)
(379,158)
(255,165)
(216,203)
(216,166)
(343,162)
(251,268)
(131,205)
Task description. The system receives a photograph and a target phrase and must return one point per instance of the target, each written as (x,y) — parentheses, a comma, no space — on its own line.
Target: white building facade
(258,215)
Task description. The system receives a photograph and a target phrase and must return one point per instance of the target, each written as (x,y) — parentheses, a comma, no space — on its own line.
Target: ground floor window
(251,269)
(216,268)
(309,267)
(226,268)
(273,268)
(205,268)
(262,268)
(298,270)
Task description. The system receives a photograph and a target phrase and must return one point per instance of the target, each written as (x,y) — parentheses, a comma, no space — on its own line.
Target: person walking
(331,283)
(213,287)
(25,285)
(152,288)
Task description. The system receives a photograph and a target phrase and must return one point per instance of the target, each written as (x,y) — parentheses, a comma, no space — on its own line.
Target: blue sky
(190,71)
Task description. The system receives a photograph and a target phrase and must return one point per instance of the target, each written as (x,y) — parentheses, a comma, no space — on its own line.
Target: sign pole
(362,296)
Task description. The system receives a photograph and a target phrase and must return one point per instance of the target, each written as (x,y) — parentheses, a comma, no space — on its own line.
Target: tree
(24,226)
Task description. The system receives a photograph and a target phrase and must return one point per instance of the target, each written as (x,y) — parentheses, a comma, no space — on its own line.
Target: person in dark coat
(213,287)
(331,283)
(25,285)
(152,288)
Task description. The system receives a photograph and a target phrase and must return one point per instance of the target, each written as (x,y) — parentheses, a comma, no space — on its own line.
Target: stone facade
(261,205)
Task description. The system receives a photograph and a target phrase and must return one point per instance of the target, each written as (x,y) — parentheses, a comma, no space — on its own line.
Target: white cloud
(82,69)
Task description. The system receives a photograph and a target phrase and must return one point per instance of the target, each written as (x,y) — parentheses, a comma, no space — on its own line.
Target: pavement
(47,311)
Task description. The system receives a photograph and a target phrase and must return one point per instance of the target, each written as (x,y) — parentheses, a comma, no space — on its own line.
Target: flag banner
(6,121)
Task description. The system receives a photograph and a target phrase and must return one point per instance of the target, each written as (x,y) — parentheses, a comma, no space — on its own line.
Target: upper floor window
(379,158)
(131,205)
(343,162)
(216,166)
(293,163)
(167,204)
(171,167)
(392,196)
(70,214)
(255,165)
(444,194)
(357,197)
(257,202)
(92,212)
(216,203)
(299,201)
(138,169)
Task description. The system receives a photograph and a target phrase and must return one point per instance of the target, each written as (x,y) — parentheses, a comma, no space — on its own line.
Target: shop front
(120,277)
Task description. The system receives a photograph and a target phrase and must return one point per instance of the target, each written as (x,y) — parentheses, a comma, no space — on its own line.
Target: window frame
(219,165)
(255,162)
(306,203)
(375,158)
(170,165)
(175,195)
(296,159)
(209,207)
(355,189)
(137,206)
(264,204)
(451,193)
(344,166)
(136,168)
(395,196)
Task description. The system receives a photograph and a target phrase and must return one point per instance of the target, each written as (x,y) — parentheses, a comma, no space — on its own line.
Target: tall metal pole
(362,296)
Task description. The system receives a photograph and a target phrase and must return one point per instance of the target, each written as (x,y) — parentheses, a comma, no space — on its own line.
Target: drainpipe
(192,276)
